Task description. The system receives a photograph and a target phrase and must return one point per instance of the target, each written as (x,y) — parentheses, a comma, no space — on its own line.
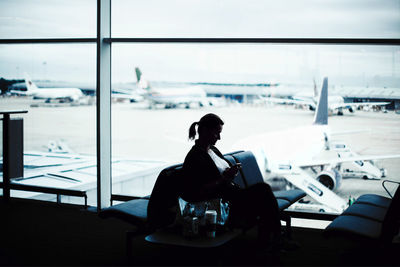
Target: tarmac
(162,134)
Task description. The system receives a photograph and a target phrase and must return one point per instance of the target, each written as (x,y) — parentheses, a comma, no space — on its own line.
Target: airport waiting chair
(251,175)
(371,217)
(163,202)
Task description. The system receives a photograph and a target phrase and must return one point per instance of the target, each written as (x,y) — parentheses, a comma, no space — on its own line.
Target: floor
(43,233)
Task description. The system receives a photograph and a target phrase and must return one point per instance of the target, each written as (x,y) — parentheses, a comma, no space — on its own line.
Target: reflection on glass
(56,85)
(47,19)
(267,95)
(257,18)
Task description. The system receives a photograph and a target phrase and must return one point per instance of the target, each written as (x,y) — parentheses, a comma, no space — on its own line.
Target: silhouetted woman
(207,175)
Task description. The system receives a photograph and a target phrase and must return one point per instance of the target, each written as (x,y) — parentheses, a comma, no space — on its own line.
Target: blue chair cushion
(283,204)
(290,195)
(354,225)
(375,200)
(367,211)
(133,211)
(238,178)
(250,170)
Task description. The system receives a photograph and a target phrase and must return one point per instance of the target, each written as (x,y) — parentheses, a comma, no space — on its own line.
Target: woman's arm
(203,181)
(201,178)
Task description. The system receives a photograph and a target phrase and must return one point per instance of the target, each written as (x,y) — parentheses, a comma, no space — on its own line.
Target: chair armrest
(389,181)
(125,198)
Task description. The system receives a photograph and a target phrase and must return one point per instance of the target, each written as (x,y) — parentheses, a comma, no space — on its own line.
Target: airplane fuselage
(276,150)
(71,94)
(176,96)
(57,93)
(335,99)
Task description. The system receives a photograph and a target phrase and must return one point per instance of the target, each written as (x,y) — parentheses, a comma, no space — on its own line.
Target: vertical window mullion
(103,104)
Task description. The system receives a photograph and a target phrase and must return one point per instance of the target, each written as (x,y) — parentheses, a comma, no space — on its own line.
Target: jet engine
(330,178)
(73,98)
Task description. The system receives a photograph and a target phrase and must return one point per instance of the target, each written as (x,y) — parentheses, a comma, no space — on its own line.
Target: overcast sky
(203,18)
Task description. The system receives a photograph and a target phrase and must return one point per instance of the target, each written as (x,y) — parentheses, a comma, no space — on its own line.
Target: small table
(200,249)
(169,236)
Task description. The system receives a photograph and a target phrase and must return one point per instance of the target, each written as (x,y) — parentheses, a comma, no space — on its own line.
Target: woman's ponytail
(192,130)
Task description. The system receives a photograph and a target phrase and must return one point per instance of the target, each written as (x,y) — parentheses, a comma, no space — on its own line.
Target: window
(56,83)
(254,64)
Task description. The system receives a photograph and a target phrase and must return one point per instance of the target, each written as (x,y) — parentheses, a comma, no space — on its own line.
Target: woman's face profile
(212,135)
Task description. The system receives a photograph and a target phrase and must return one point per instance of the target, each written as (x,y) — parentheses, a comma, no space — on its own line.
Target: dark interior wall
(43,233)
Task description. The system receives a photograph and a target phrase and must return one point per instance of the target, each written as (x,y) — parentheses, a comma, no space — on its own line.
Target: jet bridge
(315,189)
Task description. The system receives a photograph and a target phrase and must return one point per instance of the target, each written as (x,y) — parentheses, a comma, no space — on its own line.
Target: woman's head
(209,128)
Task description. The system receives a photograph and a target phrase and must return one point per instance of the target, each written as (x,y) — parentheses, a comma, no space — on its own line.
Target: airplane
(60,94)
(307,158)
(171,97)
(336,103)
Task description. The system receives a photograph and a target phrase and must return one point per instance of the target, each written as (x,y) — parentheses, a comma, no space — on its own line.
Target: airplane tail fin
(141,82)
(30,86)
(138,74)
(321,113)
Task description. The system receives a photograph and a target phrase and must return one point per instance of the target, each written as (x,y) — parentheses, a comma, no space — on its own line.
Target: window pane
(244,84)
(47,19)
(60,126)
(256,18)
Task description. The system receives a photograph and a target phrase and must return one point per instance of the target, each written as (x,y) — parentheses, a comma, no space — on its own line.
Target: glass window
(265,95)
(47,19)
(258,89)
(256,18)
(56,84)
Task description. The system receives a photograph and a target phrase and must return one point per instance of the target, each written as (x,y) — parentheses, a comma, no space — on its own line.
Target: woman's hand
(231,172)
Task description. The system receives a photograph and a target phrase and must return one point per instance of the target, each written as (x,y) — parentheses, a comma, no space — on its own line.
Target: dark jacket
(201,179)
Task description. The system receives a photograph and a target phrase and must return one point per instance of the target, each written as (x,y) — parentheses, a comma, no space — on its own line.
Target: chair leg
(130,235)
(129,247)
(288,228)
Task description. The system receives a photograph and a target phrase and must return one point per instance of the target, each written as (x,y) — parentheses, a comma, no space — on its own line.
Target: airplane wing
(315,189)
(336,133)
(287,101)
(335,161)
